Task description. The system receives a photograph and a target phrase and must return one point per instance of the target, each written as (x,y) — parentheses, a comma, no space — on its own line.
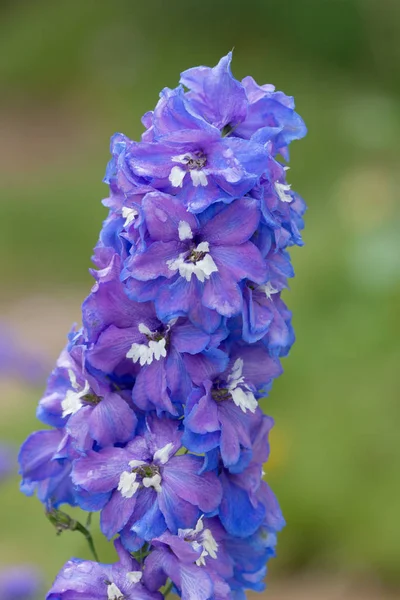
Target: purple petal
(116,514)
(163,431)
(175,299)
(203,417)
(178,513)
(174,115)
(150,389)
(219,96)
(206,365)
(152,263)
(150,160)
(112,346)
(181,474)
(100,471)
(178,380)
(233,432)
(163,214)
(244,261)
(78,428)
(234,225)
(148,521)
(36,455)
(223,294)
(112,421)
(187,338)
(257,316)
(109,305)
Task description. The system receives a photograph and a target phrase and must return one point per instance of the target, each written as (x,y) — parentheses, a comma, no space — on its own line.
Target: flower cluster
(153,405)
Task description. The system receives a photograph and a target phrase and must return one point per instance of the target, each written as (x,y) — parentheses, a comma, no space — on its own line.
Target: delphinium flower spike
(154,403)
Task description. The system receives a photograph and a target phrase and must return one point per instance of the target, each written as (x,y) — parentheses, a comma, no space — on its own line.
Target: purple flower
(88,408)
(248,502)
(222,412)
(216,94)
(148,471)
(154,403)
(189,158)
(87,580)
(194,560)
(192,260)
(45,470)
(130,338)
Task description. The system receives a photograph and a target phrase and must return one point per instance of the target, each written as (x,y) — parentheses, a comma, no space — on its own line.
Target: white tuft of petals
(163,455)
(202,268)
(113,592)
(134,576)
(129,214)
(241,393)
(209,543)
(146,353)
(184,230)
(144,329)
(153,481)
(73,398)
(282,190)
(136,463)
(202,541)
(198,178)
(127,484)
(177,176)
(197,174)
(268,289)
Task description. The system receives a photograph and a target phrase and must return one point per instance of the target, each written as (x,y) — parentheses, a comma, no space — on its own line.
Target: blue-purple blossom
(87,580)
(17,360)
(148,472)
(154,404)
(7,460)
(20,582)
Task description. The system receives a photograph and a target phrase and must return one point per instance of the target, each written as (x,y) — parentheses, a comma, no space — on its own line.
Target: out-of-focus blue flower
(19,583)
(8,461)
(17,361)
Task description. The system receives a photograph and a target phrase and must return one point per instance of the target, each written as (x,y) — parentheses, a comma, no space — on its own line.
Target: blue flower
(154,403)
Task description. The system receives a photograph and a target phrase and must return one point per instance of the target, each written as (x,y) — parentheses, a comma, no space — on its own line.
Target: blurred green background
(73,72)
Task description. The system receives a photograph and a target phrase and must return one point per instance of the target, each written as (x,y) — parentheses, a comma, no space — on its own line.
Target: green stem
(88,536)
(168,589)
(63,522)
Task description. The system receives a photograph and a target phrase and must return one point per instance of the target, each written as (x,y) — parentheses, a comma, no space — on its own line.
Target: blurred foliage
(72,73)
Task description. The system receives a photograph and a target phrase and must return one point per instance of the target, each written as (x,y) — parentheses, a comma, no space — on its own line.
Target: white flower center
(146,353)
(282,190)
(73,398)
(114,593)
(142,474)
(128,485)
(134,576)
(193,163)
(163,454)
(268,289)
(129,214)
(198,262)
(203,541)
(185,232)
(241,393)
(154,481)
